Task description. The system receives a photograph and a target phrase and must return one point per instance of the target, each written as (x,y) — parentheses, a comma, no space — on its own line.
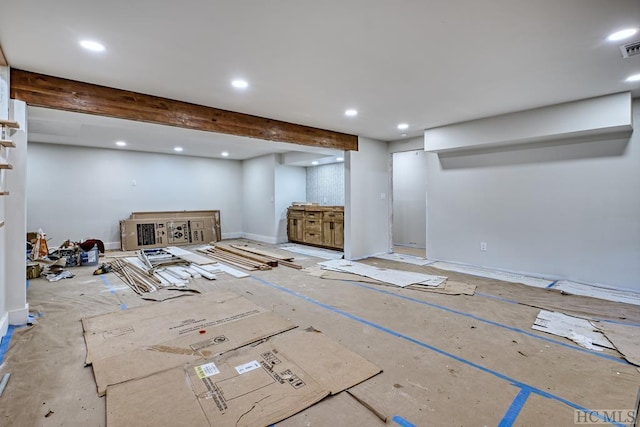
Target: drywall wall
(565,211)
(609,114)
(325,184)
(367,205)
(258,198)
(409,198)
(290,186)
(79,192)
(407,144)
(15,291)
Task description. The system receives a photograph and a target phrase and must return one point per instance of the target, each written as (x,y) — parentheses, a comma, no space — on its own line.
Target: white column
(15,216)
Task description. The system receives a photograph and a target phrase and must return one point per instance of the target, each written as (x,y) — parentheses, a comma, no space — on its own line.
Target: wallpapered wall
(325,184)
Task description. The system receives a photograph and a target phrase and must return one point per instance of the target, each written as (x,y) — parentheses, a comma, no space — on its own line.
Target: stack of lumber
(247,257)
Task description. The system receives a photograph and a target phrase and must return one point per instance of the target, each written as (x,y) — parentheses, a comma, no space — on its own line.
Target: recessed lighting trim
(240,84)
(633,78)
(224,154)
(403,126)
(121,143)
(314,163)
(351,112)
(622,34)
(340,159)
(403,135)
(92,45)
(178,149)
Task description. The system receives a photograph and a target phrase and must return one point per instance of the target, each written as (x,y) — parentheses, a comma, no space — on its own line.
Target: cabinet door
(338,235)
(327,233)
(295,230)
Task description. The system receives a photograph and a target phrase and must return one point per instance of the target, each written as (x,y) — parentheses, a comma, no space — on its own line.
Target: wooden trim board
(5,166)
(10,124)
(7,143)
(41,90)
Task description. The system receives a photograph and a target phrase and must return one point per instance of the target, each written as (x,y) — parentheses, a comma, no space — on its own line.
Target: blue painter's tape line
(491,322)
(619,322)
(386,330)
(27,283)
(510,301)
(108,284)
(516,406)
(4,342)
(552,284)
(401,421)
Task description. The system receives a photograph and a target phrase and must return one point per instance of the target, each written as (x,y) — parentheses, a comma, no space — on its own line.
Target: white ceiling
(423,62)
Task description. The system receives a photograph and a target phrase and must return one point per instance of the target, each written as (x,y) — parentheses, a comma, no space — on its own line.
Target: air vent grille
(630,49)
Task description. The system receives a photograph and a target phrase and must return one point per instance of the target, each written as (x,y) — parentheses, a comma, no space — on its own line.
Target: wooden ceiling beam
(62,94)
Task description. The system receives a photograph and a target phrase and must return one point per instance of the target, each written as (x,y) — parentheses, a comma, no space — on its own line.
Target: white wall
(325,184)
(290,186)
(367,202)
(79,192)
(258,198)
(565,211)
(410,198)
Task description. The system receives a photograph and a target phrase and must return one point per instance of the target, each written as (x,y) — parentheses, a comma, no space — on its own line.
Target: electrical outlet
(483,246)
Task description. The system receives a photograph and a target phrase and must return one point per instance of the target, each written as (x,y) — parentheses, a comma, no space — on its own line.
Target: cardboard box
(256,385)
(163,228)
(142,341)
(159,232)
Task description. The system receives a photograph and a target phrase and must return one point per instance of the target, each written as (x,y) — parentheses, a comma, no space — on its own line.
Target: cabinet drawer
(313,215)
(296,214)
(313,237)
(314,225)
(333,216)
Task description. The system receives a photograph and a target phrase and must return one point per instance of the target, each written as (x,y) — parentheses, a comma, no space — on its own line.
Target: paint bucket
(91,257)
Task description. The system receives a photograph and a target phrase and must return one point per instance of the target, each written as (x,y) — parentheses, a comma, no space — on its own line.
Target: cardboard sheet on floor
(252,386)
(311,251)
(615,295)
(141,341)
(625,340)
(580,331)
(447,288)
(395,277)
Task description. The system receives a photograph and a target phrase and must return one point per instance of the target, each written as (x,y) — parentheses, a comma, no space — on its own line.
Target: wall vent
(630,49)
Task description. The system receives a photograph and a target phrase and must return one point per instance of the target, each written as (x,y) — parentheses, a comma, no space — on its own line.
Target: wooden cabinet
(316,225)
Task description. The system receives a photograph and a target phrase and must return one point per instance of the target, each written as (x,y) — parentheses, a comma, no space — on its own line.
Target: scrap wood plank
(10,124)
(248,255)
(578,330)
(7,143)
(286,261)
(262,252)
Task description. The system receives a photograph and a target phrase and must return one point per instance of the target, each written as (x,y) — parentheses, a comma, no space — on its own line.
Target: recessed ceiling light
(224,154)
(403,135)
(340,159)
(240,84)
(623,34)
(351,112)
(403,126)
(178,149)
(633,78)
(314,163)
(92,45)
(121,143)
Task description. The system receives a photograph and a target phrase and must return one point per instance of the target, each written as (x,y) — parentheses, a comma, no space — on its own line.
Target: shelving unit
(7,127)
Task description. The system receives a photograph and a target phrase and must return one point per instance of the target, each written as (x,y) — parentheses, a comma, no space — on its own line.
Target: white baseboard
(112,246)
(259,238)
(19,316)
(4,325)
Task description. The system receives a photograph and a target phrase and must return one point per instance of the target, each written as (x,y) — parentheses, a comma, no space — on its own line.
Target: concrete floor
(447,360)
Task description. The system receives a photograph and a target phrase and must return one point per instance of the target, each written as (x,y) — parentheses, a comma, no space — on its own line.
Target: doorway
(409,207)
